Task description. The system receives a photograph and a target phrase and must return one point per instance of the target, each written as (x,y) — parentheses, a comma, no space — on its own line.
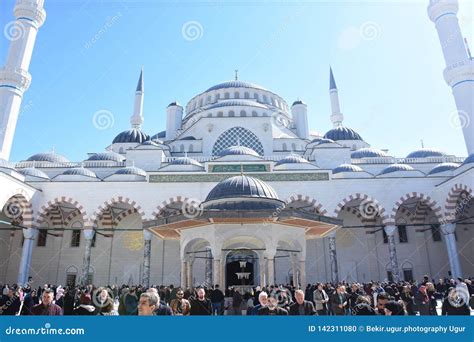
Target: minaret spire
(336,116)
(137,117)
(459,72)
(14,76)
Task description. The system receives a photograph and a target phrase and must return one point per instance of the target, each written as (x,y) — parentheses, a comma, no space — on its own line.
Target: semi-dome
(395,168)
(469,159)
(443,167)
(106,156)
(342,133)
(426,153)
(131,170)
(235,84)
(368,152)
(5,164)
(347,168)
(185,161)
(133,135)
(79,171)
(292,159)
(33,172)
(230,103)
(240,193)
(51,157)
(237,151)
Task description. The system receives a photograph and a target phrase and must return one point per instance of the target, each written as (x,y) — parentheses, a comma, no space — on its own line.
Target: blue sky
(88,57)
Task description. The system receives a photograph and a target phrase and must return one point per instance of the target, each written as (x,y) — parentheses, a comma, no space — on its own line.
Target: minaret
(137,117)
(336,116)
(459,72)
(14,76)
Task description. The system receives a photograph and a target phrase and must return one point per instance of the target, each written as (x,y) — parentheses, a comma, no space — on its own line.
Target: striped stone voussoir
(425,204)
(451,205)
(52,212)
(306,199)
(105,215)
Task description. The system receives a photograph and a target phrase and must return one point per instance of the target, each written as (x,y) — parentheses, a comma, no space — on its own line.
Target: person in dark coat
(272,309)
(339,301)
(10,304)
(301,307)
(394,308)
(85,308)
(30,300)
(217,298)
(131,302)
(47,307)
(200,306)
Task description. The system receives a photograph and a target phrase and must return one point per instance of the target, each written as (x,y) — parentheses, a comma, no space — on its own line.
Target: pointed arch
(104,210)
(50,210)
(426,203)
(451,205)
(307,199)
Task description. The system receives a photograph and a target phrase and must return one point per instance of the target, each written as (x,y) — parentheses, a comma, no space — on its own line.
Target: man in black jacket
(200,305)
(217,297)
(301,307)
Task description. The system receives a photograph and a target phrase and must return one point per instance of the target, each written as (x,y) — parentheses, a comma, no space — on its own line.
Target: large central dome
(235,84)
(242,193)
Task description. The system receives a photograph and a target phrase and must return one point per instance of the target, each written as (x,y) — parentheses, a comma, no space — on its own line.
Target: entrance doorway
(241,268)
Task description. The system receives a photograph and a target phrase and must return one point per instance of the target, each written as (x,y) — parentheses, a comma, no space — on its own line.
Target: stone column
(189,273)
(303,274)
(183,274)
(263,277)
(146,257)
(333,258)
(448,232)
(392,250)
(86,263)
(271,271)
(29,235)
(216,273)
(294,270)
(208,269)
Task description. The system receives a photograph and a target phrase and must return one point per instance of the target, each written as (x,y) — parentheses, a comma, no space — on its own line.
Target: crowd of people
(456,297)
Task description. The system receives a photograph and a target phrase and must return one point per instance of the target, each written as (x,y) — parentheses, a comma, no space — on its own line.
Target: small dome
(174,103)
(185,161)
(298,102)
(235,84)
(130,170)
(368,153)
(443,167)
(5,164)
(228,103)
(159,135)
(342,133)
(469,159)
(240,192)
(187,138)
(133,135)
(347,168)
(109,155)
(395,168)
(292,159)
(51,157)
(33,172)
(79,171)
(426,153)
(237,151)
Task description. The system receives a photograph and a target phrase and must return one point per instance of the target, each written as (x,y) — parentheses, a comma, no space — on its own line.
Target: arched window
(231,114)
(208,100)
(226,95)
(200,103)
(255,96)
(293,147)
(181,148)
(235,136)
(218,96)
(246,95)
(243,113)
(285,148)
(265,98)
(220,114)
(191,148)
(273,101)
(254,113)
(236,95)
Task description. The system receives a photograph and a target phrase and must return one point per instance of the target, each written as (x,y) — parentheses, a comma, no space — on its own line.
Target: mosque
(237,191)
